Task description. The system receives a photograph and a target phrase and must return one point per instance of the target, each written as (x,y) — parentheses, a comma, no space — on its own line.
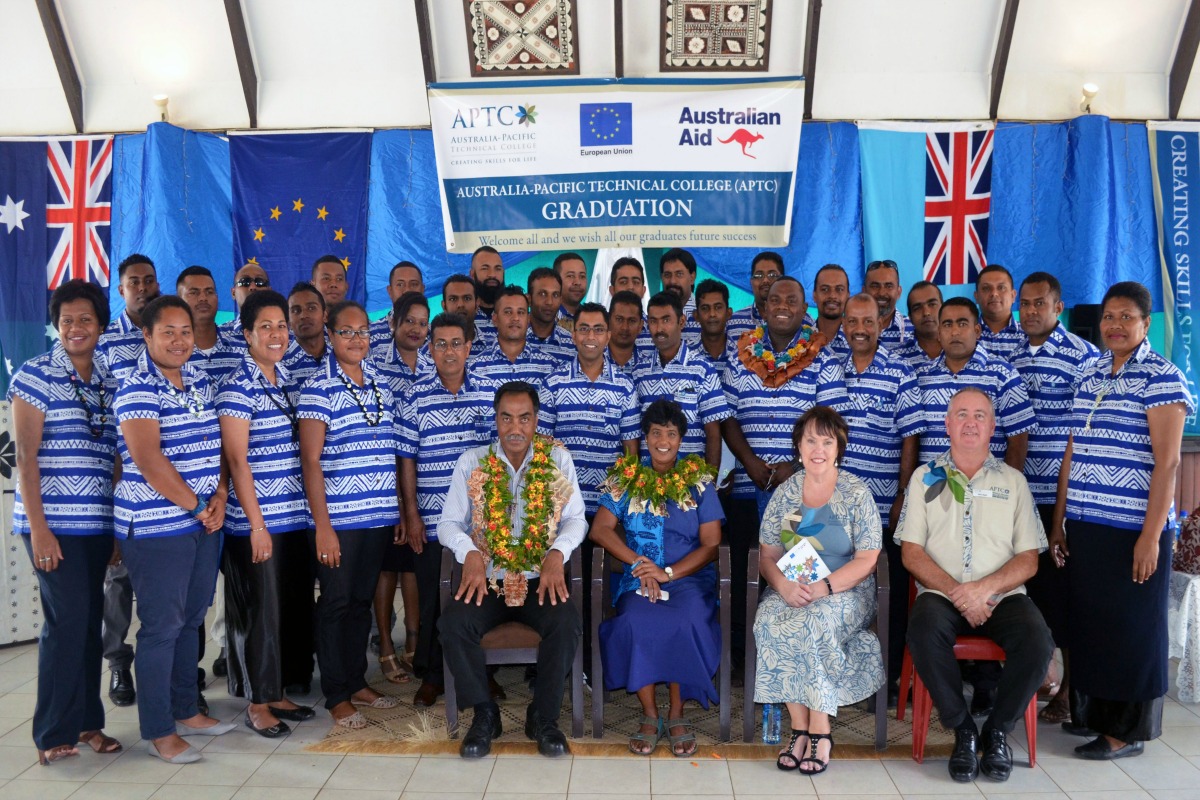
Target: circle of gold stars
(339,234)
(616,115)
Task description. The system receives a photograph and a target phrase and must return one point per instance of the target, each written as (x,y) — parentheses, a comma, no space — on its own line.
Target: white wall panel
(31,94)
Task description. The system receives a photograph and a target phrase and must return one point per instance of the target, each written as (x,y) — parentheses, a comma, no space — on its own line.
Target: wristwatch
(670,574)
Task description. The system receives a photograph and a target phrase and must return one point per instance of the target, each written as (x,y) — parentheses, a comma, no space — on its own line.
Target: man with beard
(247,280)
(572,271)
(511,356)
(545,300)
(677,270)
(924,303)
(487,271)
(683,376)
(765,269)
(310,342)
(831,288)
(448,413)
(964,362)
(883,284)
(995,294)
(1052,362)
(885,435)
(329,276)
(459,297)
(404,277)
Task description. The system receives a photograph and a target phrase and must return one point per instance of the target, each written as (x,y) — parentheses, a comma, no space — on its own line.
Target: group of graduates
(325,447)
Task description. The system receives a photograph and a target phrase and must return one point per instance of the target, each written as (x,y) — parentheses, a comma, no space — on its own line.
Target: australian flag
(297,197)
(55,225)
(958,201)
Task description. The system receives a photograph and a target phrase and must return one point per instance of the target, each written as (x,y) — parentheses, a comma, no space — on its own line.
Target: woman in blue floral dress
(815,649)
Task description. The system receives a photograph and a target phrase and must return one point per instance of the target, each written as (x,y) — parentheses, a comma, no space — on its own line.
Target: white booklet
(801,562)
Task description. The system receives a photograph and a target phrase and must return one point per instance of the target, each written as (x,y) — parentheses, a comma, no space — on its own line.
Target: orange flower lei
(649,491)
(774,371)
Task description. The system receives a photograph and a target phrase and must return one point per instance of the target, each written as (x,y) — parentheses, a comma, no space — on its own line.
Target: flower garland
(546,492)
(649,491)
(776,369)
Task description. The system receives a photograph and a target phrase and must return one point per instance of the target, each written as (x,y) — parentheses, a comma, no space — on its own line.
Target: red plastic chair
(966,648)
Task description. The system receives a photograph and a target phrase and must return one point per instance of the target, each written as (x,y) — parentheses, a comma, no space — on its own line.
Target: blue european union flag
(297,197)
(605,124)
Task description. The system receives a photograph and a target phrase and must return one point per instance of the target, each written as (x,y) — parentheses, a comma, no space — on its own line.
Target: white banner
(634,163)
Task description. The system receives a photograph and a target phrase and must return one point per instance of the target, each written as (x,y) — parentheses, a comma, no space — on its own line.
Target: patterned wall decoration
(716,35)
(521,37)
(21,614)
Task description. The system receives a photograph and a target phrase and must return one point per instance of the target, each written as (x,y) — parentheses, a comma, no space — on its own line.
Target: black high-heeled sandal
(788,754)
(814,740)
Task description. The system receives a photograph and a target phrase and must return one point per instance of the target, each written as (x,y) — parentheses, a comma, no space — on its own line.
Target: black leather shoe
(273,732)
(220,665)
(964,765)
(996,763)
(485,727)
(551,742)
(299,714)
(120,688)
(982,702)
(1098,749)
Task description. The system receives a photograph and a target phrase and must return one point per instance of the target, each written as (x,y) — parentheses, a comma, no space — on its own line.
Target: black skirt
(1118,630)
(1048,587)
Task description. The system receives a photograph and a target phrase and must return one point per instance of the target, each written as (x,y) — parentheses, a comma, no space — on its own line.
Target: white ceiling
(357,63)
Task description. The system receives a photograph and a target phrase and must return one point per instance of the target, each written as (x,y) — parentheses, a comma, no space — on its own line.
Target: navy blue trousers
(69,649)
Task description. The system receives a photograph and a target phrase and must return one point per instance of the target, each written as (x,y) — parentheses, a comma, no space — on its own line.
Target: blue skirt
(672,641)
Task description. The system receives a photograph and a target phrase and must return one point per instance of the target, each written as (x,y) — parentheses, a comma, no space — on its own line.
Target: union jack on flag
(80,207)
(958,200)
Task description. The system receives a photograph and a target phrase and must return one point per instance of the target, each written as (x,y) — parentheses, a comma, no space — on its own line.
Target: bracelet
(201,504)
(256,530)
(828,585)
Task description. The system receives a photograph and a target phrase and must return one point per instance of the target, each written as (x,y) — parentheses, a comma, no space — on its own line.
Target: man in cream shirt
(970,535)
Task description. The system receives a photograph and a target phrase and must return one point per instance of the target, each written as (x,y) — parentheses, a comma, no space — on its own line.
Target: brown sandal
(392,669)
(104,745)
(48,757)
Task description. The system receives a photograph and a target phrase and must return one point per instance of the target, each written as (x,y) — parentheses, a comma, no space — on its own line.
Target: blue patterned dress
(823,655)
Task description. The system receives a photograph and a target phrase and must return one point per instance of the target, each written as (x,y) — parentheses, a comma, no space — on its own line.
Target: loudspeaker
(1085,323)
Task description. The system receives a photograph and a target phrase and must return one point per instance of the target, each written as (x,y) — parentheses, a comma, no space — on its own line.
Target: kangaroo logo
(743,137)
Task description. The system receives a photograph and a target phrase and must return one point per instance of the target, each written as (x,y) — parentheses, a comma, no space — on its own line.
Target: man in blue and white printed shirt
(995,294)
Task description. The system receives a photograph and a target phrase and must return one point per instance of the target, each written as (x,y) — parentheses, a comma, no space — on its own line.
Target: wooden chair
(515,642)
(877,704)
(603,567)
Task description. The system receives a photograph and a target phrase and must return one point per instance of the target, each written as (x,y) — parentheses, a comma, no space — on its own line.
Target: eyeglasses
(350,333)
(441,345)
(258,283)
(758,276)
(588,330)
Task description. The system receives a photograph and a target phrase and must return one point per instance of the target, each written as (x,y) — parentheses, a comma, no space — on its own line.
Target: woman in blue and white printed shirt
(268,601)
(66,440)
(348,452)
(169,503)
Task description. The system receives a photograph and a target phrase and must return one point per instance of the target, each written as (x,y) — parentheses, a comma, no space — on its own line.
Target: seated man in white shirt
(512,517)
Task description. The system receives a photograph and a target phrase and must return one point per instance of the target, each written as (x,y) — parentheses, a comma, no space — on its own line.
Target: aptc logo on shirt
(994,492)
(605,124)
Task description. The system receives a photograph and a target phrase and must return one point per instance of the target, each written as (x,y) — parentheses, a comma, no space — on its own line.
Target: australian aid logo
(739,128)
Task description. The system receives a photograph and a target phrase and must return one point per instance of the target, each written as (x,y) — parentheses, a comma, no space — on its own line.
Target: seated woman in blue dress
(662,520)
(815,649)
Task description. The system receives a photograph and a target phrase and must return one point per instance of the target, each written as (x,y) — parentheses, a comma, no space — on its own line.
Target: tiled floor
(247,767)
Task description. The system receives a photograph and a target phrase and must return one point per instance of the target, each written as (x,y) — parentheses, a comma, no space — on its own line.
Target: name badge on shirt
(997,493)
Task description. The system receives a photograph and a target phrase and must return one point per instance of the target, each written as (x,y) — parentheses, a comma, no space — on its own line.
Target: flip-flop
(383,701)
(353,722)
(104,745)
(651,739)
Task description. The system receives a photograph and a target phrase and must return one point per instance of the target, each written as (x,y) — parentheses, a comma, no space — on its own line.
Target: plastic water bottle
(1179,520)
(772,715)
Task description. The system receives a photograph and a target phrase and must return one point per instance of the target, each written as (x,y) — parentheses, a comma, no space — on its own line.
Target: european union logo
(605,124)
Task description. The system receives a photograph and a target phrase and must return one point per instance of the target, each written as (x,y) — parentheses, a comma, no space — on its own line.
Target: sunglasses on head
(259,283)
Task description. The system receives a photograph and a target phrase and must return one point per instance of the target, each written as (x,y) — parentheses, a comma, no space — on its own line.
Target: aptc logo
(486,116)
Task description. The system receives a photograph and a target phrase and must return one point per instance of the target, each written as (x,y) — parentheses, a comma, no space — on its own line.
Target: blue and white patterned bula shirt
(300,365)
(532,366)
(381,333)
(1111,458)
(1004,342)
(593,419)
(898,331)
(997,379)
(399,375)
(436,427)
(559,346)
(230,334)
(910,353)
(190,438)
(274,447)
(748,319)
(888,409)
(690,381)
(361,435)
(79,444)
(1052,374)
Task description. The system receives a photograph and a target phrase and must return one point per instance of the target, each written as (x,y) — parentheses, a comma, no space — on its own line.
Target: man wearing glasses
(246,281)
(448,413)
(765,269)
(883,283)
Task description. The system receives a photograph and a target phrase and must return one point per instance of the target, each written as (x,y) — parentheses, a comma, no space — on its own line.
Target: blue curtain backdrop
(1075,199)
(171,202)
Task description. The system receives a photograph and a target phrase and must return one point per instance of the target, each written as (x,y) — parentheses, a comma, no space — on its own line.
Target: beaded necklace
(188,397)
(97,428)
(361,405)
